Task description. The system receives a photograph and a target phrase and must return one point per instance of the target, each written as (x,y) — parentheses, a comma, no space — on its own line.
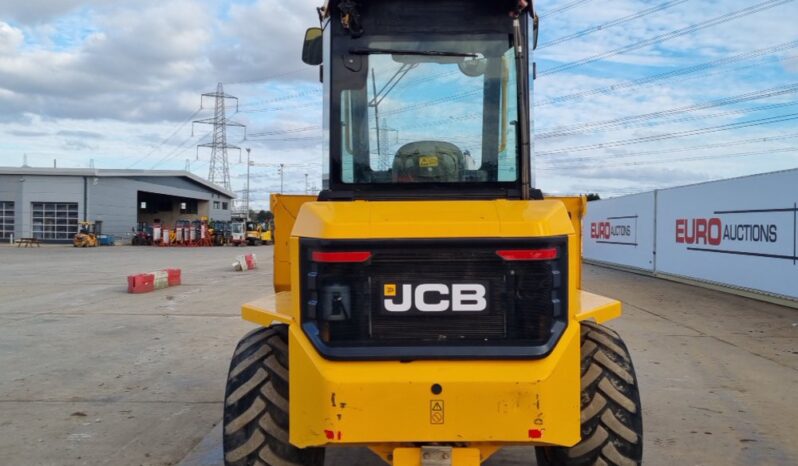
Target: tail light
(350,257)
(528,254)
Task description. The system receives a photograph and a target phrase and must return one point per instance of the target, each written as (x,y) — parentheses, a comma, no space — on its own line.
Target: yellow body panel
(388,405)
(391,401)
(259,313)
(285,210)
(597,308)
(577,208)
(432,219)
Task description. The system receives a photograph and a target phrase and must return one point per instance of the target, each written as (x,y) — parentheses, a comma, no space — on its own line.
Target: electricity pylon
(219,171)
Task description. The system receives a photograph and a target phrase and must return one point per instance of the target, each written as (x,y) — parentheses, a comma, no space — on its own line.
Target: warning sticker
(428,161)
(389,290)
(436,412)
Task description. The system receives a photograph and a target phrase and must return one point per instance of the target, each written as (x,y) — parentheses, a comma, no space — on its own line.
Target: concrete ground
(90,375)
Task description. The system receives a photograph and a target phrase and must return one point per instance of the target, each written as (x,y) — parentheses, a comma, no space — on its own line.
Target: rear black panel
(526,302)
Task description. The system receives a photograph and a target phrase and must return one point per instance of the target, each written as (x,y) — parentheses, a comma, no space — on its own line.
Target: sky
(631,95)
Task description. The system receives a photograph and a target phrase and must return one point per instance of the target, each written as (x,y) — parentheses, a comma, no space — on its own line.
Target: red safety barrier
(173,277)
(141,283)
(146,282)
(246,262)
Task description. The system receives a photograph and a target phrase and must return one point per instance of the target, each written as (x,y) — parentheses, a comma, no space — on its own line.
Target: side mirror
(535,31)
(312,50)
(473,67)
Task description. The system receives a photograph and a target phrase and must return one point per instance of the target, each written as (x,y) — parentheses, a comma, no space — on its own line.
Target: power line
(739,142)
(694,117)
(295,95)
(625,121)
(667,36)
(610,24)
(741,111)
(245,108)
(616,87)
(283,108)
(172,154)
(437,101)
(672,74)
(567,130)
(266,78)
(177,152)
(680,134)
(563,8)
(664,161)
(171,135)
(308,138)
(285,131)
(582,127)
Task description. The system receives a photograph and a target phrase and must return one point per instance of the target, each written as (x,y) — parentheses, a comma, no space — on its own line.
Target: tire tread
(612,425)
(256,404)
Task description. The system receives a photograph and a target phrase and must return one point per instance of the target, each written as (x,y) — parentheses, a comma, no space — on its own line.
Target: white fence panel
(621,231)
(741,232)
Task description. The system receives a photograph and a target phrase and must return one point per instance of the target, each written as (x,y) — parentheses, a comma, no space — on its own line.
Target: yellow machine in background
(87,235)
(258,234)
(428,302)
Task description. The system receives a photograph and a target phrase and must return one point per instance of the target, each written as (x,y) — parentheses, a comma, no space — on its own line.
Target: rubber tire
(256,404)
(612,420)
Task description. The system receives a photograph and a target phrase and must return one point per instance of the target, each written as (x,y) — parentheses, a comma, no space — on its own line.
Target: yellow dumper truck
(428,301)
(258,234)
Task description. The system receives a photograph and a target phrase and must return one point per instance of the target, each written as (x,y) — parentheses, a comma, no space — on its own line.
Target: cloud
(137,67)
(27,134)
(79,145)
(267,41)
(81,134)
(39,11)
(660,176)
(790,63)
(10,38)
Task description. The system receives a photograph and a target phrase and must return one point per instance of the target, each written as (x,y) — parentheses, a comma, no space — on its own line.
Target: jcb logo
(435,297)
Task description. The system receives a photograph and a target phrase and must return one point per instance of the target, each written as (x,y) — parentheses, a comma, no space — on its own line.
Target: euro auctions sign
(741,232)
(616,230)
(621,231)
(715,232)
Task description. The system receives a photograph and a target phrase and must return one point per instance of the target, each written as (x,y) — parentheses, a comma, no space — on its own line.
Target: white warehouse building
(49,203)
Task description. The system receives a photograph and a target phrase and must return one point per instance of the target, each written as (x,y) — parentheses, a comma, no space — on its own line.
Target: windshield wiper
(429,53)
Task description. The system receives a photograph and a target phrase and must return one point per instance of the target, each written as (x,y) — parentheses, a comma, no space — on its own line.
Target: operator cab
(425,99)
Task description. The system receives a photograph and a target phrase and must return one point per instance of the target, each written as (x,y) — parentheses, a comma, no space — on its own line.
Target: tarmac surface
(90,375)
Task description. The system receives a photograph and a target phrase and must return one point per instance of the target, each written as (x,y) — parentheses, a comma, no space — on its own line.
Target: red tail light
(528,254)
(341,257)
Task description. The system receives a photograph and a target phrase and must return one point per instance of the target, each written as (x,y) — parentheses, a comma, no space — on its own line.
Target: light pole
(249,164)
(282,171)
(306,183)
